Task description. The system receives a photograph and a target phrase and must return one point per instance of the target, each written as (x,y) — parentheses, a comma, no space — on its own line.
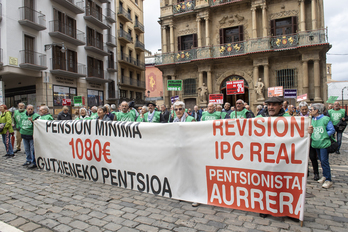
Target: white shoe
(322,180)
(327,184)
(195,204)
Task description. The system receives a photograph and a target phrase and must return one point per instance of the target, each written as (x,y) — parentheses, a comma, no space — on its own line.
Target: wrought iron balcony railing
(139,25)
(32,60)
(69,30)
(110,15)
(284,42)
(122,11)
(140,45)
(125,35)
(96,17)
(222,2)
(125,80)
(75,6)
(95,72)
(65,65)
(141,84)
(111,40)
(112,65)
(185,6)
(32,18)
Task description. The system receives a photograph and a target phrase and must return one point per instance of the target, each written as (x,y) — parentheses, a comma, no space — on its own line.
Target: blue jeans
(6,139)
(339,140)
(324,160)
(29,150)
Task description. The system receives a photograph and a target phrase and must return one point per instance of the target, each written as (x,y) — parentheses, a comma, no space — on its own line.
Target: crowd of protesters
(16,125)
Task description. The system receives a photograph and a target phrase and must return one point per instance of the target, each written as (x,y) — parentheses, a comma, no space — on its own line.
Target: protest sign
(275,91)
(302,97)
(216,98)
(174,85)
(235,87)
(256,165)
(290,93)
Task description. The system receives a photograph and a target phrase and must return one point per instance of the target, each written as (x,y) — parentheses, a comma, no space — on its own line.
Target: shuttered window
(284,26)
(287,78)
(231,34)
(95,67)
(187,42)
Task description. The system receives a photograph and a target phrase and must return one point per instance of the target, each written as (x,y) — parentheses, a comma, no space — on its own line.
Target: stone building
(276,42)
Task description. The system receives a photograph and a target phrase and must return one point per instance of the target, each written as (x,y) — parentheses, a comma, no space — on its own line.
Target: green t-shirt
(336,115)
(46,117)
(17,118)
(129,117)
(85,118)
(320,138)
(26,125)
(140,119)
(94,115)
(189,119)
(240,114)
(211,116)
(156,117)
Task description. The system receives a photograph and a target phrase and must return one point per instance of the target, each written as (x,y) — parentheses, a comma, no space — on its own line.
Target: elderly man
(227,108)
(210,114)
(27,129)
(164,114)
(336,115)
(64,114)
(196,113)
(242,112)
(152,115)
(248,108)
(285,105)
(94,113)
(17,125)
(45,114)
(125,115)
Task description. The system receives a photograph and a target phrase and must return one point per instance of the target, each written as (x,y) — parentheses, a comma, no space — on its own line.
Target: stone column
(264,21)
(171,37)
(266,76)
(256,75)
(253,22)
(314,14)
(170,2)
(199,36)
(200,79)
(302,16)
(317,81)
(305,77)
(210,82)
(164,39)
(207,34)
(165,91)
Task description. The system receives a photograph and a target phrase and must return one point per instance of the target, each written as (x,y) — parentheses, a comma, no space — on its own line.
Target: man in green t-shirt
(17,125)
(152,115)
(336,115)
(125,115)
(210,114)
(44,112)
(242,112)
(94,113)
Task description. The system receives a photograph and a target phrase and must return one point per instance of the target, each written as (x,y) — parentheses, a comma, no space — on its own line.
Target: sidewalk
(33,200)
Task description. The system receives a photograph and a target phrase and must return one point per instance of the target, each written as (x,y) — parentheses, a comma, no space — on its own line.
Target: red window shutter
(179,43)
(241,33)
(294,24)
(273,28)
(222,35)
(195,43)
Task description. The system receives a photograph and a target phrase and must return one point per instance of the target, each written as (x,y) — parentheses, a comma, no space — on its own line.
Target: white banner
(257,165)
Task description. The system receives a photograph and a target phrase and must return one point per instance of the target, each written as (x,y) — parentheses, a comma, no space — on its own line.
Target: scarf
(150,116)
(183,118)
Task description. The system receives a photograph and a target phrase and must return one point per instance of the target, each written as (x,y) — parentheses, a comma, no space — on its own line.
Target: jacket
(64,116)
(7,119)
(164,116)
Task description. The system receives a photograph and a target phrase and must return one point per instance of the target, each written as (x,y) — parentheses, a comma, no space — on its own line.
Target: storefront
(62,92)
(95,97)
(27,95)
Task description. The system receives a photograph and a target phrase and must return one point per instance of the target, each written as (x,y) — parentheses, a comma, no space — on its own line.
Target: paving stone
(79,224)
(62,228)
(29,226)
(147,228)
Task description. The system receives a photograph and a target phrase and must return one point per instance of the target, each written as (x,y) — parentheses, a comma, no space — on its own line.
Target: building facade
(154,80)
(58,49)
(266,43)
(131,58)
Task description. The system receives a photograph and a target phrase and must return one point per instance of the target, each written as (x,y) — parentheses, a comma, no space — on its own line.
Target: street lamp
(342,93)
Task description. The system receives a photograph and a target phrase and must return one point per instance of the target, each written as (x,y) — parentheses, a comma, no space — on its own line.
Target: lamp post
(342,93)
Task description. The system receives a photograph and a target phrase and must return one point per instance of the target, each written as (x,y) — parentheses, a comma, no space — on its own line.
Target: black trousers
(314,159)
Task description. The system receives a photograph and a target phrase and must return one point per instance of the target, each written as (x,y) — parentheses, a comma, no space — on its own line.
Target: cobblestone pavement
(34,200)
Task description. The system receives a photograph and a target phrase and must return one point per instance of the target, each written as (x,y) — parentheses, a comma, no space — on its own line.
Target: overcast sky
(335,19)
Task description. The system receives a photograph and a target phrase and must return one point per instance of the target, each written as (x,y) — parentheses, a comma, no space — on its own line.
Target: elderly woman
(6,125)
(321,129)
(142,113)
(259,109)
(181,116)
(102,114)
(303,106)
(83,115)
(64,114)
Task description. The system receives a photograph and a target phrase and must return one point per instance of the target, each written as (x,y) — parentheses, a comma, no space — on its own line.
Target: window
(72,61)
(111,89)
(29,49)
(71,27)
(123,93)
(284,26)
(231,35)
(29,7)
(131,94)
(94,38)
(130,13)
(190,86)
(136,2)
(95,97)
(62,92)
(138,96)
(64,23)
(287,78)
(130,74)
(95,67)
(111,60)
(138,77)
(58,60)
(187,42)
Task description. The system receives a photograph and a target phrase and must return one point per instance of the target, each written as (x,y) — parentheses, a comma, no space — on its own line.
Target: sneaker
(195,204)
(6,155)
(15,151)
(26,163)
(10,156)
(322,180)
(327,184)
(338,152)
(316,177)
(32,166)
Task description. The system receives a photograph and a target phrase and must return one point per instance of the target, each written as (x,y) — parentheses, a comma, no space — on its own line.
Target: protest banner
(275,91)
(174,85)
(235,87)
(256,165)
(173,99)
(290,93)
(216,98)
(302,97)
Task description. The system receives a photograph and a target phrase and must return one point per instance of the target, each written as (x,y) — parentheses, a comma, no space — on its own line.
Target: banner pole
(235,103)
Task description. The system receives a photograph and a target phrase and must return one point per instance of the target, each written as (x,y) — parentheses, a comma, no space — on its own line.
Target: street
(40,201)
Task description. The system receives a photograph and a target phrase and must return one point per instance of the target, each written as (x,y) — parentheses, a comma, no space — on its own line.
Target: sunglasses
(180,109)
(239,103)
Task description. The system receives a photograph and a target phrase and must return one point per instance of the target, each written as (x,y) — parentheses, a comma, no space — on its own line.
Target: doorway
(232,98)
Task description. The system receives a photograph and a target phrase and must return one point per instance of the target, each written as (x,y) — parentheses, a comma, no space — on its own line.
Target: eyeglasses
(180,109)
(239,103)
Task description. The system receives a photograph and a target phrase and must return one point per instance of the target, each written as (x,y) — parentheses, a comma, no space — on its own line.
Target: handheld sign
(290,93)
(78,101)
(332,99)
(275,91)
(66,102)
(302,97)
(173,99)
(235,87)
(216,98)
(174,85)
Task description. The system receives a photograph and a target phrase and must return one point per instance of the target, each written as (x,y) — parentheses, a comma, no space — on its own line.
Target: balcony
(112,66)
(111,40)
(182,7)
(139,27)
(32,60)
(104,1)
(96,75)
(123,14)
(93,15)
(97,47)
(266,44)
(222,2)
(110,16)
(75,6)
(67,33)
(31,18)
(131,61)
(124,36)
(64,68)
(132,82)
(139,46)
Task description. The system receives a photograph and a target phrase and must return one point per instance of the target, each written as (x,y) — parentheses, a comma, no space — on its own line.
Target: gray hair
(64,108)
(84,110)
(22,103)
(30,105)
(302,104)
(107,105)
(46,108)
(241,100)
(94,108)
(145,107)
(259,107)
(113,106)
(179,103)
(319,107)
